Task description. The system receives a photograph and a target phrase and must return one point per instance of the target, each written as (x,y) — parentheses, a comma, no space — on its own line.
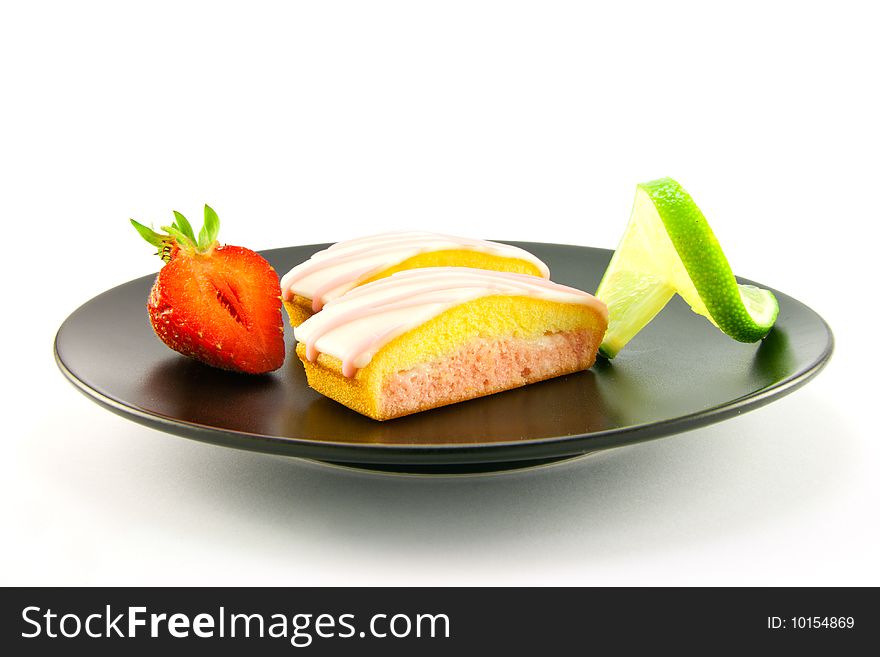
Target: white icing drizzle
(330,273)
(354,327)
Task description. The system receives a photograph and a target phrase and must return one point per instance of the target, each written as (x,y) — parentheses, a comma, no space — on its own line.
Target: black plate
(679,373)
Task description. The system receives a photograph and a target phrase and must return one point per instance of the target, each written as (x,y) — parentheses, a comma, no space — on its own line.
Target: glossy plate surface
(679,373)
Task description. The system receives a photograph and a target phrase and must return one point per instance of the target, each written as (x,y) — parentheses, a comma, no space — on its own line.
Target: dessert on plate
(332,272)
(427,337)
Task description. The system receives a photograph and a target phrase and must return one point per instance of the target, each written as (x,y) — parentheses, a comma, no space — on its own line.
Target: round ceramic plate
(679,373)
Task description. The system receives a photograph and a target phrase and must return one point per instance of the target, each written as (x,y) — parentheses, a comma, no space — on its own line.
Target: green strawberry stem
(180,234)
(184,226)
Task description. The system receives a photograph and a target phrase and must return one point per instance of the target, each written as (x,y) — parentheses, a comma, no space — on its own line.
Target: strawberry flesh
(221,307)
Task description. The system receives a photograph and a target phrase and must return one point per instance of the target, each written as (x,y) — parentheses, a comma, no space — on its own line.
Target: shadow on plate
(568,405)
(187,390)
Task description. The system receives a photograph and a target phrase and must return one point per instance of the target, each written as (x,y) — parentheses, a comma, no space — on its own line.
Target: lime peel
(668,248)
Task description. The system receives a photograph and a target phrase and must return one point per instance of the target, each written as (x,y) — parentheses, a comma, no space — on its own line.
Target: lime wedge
(668,248)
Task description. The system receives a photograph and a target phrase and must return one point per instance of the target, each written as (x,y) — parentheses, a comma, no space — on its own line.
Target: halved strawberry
(218,304)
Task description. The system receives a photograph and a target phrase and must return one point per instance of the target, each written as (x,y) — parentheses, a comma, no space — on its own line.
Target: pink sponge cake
(424,338)
(334,271)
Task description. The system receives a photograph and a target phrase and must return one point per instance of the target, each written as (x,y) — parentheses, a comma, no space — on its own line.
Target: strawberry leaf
(182,224)
(148,234)
(177,234)
(210,229)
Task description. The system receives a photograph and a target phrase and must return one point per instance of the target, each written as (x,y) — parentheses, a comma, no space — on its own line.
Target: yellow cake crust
(299,309)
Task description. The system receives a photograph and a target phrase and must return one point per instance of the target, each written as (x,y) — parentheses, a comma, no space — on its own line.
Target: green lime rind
(705,262)
(637,285)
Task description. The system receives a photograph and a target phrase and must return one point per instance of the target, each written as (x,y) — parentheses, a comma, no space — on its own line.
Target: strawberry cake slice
(424,338)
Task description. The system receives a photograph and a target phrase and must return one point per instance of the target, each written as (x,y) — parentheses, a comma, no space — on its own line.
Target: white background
(312,122)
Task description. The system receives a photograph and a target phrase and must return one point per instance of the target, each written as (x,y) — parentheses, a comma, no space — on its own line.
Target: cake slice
(424,338)
(330,273)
